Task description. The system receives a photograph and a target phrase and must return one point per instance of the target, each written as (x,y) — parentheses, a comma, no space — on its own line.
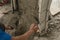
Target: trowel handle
(39,30)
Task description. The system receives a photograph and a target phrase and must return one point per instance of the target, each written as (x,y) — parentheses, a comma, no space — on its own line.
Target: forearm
(28,34)
(24,36)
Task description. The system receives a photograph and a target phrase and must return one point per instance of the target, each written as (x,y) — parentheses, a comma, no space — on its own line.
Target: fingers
(34,27)
(7,27)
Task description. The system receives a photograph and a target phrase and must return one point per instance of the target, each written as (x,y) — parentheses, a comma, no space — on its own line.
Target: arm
(25,36)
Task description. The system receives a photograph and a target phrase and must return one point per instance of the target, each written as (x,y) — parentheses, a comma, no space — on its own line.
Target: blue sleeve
(6,36)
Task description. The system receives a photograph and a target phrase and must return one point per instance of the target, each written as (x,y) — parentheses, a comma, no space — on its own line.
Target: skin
(33,29)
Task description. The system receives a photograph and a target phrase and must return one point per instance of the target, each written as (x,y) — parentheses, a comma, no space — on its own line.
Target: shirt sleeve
(6,36)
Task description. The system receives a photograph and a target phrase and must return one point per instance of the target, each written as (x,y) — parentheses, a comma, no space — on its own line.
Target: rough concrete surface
(29,12)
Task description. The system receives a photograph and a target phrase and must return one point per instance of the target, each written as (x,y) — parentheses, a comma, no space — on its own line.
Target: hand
(34,27)
(7,27)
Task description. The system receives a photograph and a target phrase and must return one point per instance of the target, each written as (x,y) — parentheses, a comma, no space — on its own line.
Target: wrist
(32,31)
(28,33)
